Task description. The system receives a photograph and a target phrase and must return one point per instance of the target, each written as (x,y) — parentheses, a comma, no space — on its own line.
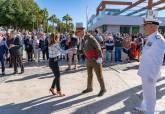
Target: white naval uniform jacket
(152,57)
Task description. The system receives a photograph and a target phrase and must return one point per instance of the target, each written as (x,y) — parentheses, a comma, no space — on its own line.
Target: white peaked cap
(152,17)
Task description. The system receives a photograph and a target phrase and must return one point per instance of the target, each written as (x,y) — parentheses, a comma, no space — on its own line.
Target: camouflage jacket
(91,44)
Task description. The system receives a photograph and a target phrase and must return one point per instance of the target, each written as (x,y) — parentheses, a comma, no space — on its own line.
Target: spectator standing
(140,44)
(73,46)
(118,47)
(109,44)
(43,45)
(98,36)
(36,49)
(3,51)
(15,49)
(127,46)
(28,47)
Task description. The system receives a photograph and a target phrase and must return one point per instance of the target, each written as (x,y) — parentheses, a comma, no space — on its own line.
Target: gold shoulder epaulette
(158,37)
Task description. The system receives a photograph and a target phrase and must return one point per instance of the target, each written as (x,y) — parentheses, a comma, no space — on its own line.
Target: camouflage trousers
(91,64)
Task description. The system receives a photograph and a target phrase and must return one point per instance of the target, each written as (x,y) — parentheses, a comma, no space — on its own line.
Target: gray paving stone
(28,93)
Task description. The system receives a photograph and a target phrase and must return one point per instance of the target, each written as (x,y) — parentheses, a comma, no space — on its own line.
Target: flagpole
(87,18)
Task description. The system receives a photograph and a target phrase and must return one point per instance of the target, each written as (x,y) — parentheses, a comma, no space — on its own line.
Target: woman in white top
(54,52)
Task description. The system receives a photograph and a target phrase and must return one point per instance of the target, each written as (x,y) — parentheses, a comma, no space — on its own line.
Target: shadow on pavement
(129,98)
(45,75)
(64,73)
(6,75)
(29,77)
(48,104)
(40,106)
(131,68)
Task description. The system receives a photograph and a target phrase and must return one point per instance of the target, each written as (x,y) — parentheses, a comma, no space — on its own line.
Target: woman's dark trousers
(53,64)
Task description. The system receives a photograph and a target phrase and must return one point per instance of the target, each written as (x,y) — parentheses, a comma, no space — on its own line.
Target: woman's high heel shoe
(52,91)
(60,94)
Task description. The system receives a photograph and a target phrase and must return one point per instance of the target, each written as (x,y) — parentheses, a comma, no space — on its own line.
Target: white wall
(113,28)
(123,20)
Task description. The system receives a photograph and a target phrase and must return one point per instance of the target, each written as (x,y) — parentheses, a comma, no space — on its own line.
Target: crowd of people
(43,46)
(116,47)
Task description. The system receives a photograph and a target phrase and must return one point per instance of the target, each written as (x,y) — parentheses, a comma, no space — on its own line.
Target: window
(125,29)
(104,28)
(129,29)
(135,30)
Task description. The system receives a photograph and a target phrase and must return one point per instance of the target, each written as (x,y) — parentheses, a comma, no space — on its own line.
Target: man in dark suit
(15,49)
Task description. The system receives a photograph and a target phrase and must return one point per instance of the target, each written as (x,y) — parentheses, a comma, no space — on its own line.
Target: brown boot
(101,93)
(87,90)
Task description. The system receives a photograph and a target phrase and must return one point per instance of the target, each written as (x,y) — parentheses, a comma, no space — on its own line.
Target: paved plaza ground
(28,93)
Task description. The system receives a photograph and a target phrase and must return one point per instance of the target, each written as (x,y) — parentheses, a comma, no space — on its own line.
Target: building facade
(122,24)
(124,20)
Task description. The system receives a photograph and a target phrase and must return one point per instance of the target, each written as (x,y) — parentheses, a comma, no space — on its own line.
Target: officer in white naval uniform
(150,62)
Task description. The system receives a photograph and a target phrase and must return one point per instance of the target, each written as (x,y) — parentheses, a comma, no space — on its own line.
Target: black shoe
(22,72)
(101,93)
(15,72)
(3,74)
(120,61)
(68,69)
(87,90)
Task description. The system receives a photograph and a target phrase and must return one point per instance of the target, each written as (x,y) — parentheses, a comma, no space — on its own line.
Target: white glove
(99,60)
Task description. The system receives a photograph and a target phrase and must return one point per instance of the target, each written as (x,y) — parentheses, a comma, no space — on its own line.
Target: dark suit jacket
(17,50)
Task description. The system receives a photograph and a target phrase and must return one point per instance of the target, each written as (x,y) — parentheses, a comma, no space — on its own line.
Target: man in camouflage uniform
(93,53)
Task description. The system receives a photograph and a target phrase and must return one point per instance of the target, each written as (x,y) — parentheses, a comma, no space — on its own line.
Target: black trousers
(45,53)
(2,64)
(10,61)
(17,61)
(30,55)
(53,64)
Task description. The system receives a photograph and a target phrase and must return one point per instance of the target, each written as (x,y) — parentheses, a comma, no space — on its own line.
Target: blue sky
(75,8)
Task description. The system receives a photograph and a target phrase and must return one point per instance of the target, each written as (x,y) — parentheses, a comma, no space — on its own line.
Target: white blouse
(55,51)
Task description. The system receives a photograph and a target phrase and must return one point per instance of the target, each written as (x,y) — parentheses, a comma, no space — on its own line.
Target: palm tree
(62,27)
(54,20)
(45,17)
(67,18)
